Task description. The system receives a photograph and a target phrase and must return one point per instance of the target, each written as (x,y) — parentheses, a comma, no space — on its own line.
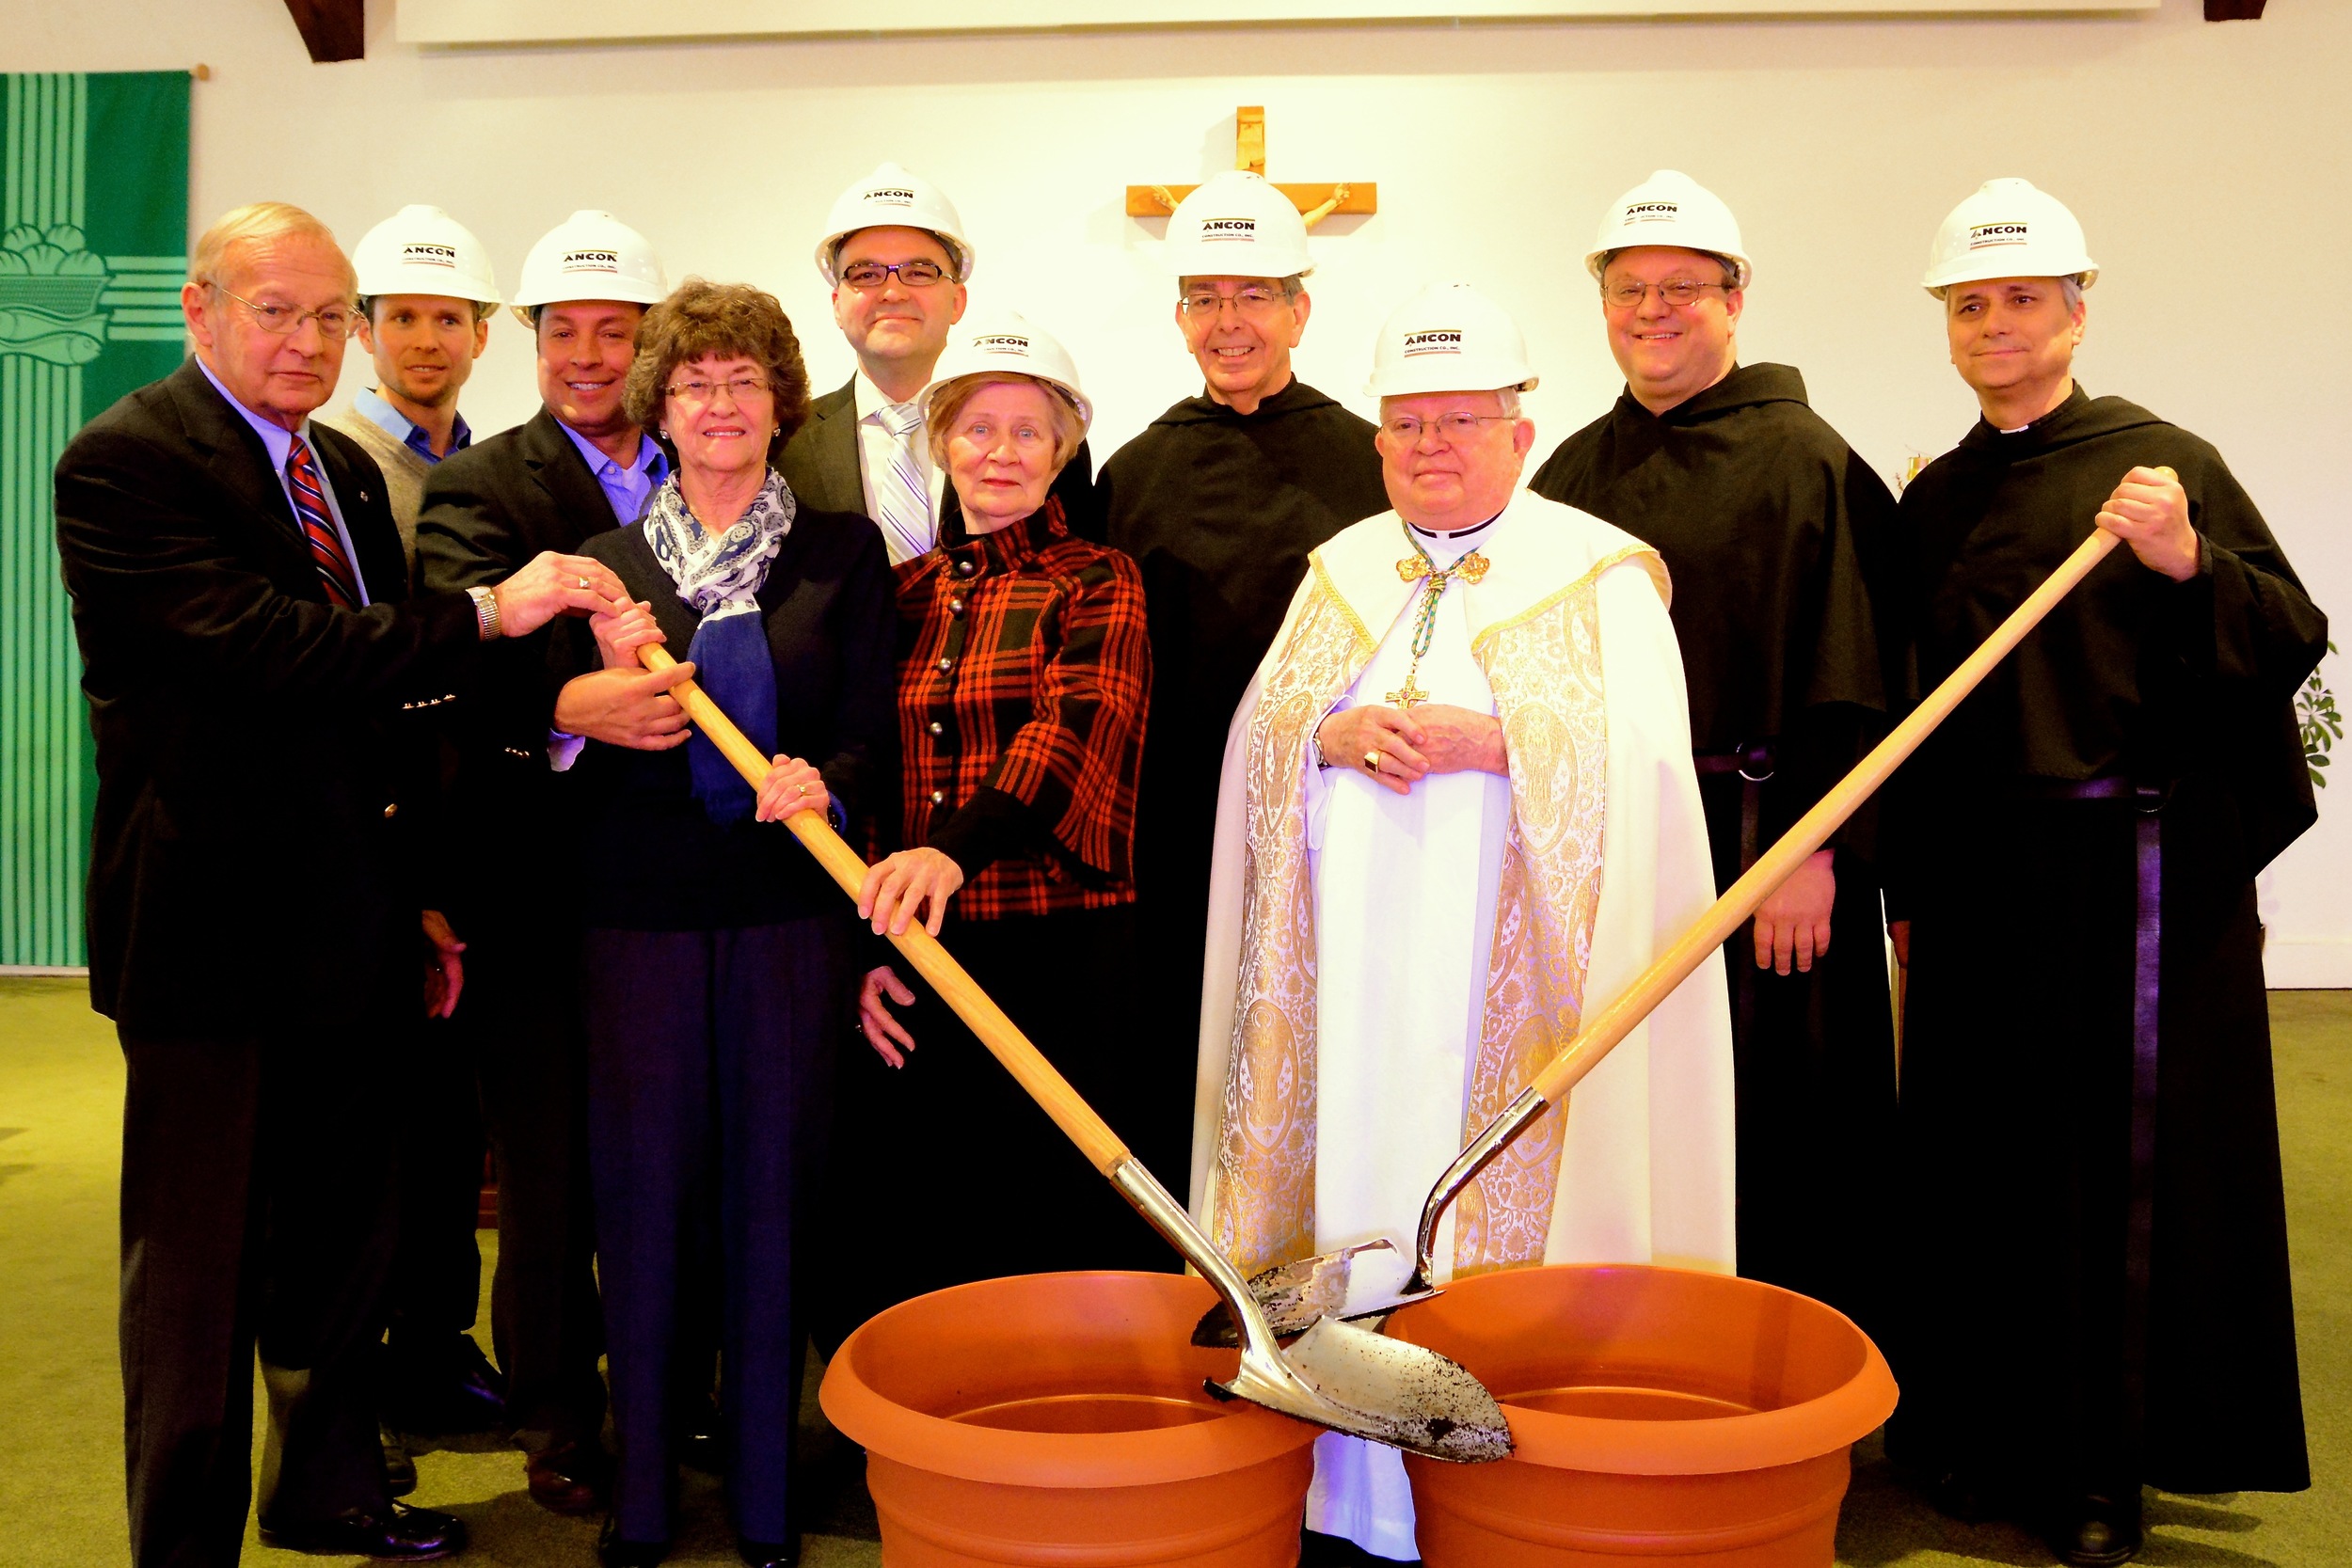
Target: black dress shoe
(569,1478)
(2097,1532)
(770,1554)
(399,1534)
(442,1388)
(615,1551)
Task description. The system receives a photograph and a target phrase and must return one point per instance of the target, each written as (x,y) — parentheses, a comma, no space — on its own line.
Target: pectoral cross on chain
(1413,568)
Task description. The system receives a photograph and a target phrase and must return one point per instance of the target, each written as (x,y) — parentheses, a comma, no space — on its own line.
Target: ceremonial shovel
(1292,1295)
(1337,1375)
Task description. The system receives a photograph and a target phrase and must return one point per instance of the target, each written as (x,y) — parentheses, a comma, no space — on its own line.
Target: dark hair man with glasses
(1767,521)
(897,261)
(259,681)
(1220,500)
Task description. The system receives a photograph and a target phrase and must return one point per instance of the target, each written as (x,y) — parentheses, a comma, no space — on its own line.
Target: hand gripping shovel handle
(1045,1083)
(1602,1032)
(1336,1376)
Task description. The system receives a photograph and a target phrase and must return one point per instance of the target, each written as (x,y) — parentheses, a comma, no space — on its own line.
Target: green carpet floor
(60,1436)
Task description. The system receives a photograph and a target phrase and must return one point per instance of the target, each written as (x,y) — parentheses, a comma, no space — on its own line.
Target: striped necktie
(318,528)
(902,494)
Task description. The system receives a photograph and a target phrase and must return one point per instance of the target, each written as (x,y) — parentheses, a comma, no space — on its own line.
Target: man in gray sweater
(426,294)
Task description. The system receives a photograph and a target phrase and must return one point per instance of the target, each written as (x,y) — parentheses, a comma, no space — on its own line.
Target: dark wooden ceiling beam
(338,29)
(2234,11)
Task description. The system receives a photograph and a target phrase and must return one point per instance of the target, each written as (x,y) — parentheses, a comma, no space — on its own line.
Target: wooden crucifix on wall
(1314,202)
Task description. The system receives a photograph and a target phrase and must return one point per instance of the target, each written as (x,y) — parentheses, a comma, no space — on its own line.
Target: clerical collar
(1458,533)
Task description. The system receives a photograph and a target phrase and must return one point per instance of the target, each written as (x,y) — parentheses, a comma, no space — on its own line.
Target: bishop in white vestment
(1457,807)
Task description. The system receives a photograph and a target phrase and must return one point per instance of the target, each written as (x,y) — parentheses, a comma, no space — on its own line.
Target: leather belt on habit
(2147,957)
(1756,763)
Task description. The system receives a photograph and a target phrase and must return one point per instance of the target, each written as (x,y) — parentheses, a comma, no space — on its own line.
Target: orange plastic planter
(1657,1413)
(1059,1419)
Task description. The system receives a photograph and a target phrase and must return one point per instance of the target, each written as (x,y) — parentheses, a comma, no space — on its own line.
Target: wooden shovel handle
(1028,1065)
(1601,1033)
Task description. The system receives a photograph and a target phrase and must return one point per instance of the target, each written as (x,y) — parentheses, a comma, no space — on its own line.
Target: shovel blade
(1368,1386)
(1294,1297)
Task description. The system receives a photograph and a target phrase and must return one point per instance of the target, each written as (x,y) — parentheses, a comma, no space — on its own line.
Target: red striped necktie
(318,527)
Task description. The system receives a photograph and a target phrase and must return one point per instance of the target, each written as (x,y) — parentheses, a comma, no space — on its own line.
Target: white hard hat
(2008,228)
(1007,342)
(422,251)
(1449,337)
(1235,225)
(890,197)
(1670,207)
(590,254)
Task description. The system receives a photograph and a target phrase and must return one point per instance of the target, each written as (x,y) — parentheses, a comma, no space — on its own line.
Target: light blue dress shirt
(627,490)
(280,440)
(370,405)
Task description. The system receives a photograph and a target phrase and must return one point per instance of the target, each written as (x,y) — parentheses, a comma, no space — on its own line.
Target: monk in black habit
(1220,500)
(2093,1255)
(1764,518)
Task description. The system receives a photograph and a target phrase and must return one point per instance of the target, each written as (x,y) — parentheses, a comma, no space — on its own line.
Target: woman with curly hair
(718,956)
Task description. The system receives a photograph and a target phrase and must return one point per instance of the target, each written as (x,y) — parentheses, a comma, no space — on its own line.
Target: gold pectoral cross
(1406,695)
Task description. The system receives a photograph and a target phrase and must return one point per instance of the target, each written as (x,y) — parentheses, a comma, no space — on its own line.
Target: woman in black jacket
(718,956)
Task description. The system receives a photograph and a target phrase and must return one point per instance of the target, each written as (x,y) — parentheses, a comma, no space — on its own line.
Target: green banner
(93,247)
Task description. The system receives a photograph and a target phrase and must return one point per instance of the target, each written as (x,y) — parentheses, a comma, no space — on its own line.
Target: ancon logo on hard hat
(1228,229)
(422,255)
(1001,342)
(1652,212)
(1984,234)
(1436,340)
(898,196)
(591,260)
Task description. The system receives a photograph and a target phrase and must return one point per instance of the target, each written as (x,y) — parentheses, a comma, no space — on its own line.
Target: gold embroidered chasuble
(1538,640)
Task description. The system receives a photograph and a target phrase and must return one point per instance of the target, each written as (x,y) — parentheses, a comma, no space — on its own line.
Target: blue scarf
(720,575)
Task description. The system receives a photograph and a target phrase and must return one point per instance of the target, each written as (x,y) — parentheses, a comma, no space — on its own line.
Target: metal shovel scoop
(1292,1295)
(1336,1375)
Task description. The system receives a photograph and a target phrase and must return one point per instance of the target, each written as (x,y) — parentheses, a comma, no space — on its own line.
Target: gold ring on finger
(1372,762)
(583,582)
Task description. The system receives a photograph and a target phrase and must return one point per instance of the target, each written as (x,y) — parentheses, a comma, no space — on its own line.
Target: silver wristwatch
(485,613)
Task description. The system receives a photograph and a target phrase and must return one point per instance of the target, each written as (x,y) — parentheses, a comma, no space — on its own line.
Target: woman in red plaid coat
(1024,673)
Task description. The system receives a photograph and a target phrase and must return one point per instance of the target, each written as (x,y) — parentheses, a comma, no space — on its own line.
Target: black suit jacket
(831,610)
(257,748)
(487,513)
(820,465)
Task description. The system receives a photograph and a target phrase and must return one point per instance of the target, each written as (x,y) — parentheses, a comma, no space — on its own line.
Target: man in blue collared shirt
(579,467)
(426,293)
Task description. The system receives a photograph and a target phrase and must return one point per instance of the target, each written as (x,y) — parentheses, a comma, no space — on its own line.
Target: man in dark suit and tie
(259,682)
(898,261)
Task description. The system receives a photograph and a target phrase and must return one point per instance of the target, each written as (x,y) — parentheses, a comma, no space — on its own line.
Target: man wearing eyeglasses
(259,681)
(896,260)
(1219,501)
(1458,816)
(1767,523)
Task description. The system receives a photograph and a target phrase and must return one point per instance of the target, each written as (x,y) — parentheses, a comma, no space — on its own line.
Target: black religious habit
(1220,509)
(2095,1296)
(1768,524)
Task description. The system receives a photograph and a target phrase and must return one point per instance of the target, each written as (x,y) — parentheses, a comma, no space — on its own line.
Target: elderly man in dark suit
(258,680)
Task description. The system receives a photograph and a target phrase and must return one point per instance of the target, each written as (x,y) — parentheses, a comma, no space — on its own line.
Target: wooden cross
(1314,202)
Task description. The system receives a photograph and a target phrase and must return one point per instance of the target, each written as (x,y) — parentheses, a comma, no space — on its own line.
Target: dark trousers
(522,1018)
(437,1273)
(258,1210)
(710,1064)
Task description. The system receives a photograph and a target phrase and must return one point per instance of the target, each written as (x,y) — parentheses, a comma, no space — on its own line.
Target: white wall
(2205,162)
